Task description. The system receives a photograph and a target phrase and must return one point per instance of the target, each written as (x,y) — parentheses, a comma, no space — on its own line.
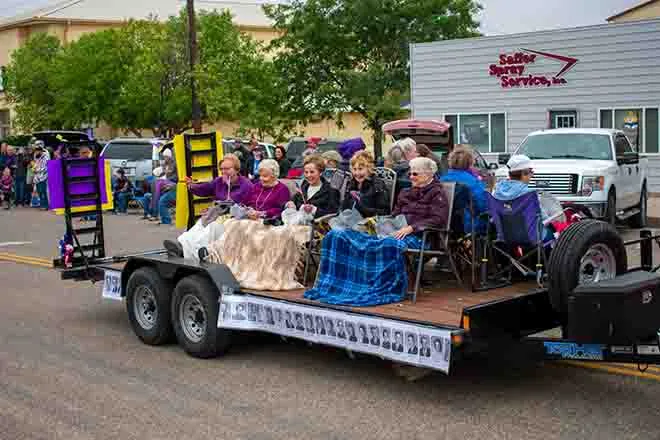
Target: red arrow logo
(570,62)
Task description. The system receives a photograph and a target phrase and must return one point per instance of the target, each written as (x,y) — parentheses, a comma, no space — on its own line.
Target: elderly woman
(375,268)
(461,160)
(398,158)
(316,196)
(365,192)
(230,186)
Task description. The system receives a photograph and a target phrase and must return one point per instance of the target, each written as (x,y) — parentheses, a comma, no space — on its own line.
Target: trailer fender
(175,269)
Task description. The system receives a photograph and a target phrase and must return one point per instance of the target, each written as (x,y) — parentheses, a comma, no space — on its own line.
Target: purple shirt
(240,190)
(269,200)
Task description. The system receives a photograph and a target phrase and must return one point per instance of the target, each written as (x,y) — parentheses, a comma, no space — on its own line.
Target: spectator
(122,192)
(282,161)
(20,178)
(332,159)
(164,193)
(10,159)
(243,155)
(29,176)
(398,159)
(41,158)
(256,156)
(6,186)
(311,146)
(3,154)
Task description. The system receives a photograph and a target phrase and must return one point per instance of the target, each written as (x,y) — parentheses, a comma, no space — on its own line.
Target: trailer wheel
(195,316)
(148,298)
(587,252)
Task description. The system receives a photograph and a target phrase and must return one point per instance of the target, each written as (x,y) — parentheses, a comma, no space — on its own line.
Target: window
(622,146)
(5,125)
(551,145)
(485,132)
(128,151)
(640,125)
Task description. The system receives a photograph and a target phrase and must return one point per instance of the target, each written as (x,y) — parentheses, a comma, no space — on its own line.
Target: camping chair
(519,236)
(439,247)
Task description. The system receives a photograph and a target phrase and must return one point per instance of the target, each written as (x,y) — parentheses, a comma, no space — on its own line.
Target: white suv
(135,155)
(595,168)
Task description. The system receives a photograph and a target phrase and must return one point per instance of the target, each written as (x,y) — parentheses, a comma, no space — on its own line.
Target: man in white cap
(520,172)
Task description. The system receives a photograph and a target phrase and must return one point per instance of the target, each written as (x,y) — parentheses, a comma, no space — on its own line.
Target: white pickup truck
(595,168)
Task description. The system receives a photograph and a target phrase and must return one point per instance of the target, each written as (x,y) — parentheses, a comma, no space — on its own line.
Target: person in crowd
(311,146)
(332,159)
(41,158)
(29,176)
(257,155)
(10,159)
(398,159)
(3,154)
(85,152)
(20,178)
(7,186)
(460,161)
(366,192)
(347,150)
(243,155)
(164,194)
(282,161)
(424,204)
(122,192)
(315,196)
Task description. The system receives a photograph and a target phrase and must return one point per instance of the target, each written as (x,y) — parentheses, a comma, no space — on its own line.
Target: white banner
(399,341)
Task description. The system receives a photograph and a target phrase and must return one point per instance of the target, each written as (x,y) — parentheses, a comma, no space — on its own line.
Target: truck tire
(610,211)
(148,298)
(639,220)
(588,251)
(195,316)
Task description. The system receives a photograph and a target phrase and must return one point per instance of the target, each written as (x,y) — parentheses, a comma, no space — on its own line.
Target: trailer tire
(148,298)
(194,318)
(585,251)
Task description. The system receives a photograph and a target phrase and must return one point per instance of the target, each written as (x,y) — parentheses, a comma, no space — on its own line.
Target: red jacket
(424,206)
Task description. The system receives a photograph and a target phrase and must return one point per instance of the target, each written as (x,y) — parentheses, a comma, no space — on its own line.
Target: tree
(29,83)
(347,55)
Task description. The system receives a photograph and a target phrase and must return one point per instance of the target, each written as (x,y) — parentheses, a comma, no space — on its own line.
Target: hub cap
(145,308)
(192,318)
(597,264)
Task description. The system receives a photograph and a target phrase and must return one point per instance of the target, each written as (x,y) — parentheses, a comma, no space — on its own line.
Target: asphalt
(71,368)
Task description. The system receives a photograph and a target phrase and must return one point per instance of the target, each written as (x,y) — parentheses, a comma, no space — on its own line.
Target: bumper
(597,209)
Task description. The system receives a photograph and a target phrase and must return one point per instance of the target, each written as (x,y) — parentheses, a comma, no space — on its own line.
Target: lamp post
(192,55)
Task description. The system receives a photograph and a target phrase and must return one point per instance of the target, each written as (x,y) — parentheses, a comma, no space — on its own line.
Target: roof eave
(629,10)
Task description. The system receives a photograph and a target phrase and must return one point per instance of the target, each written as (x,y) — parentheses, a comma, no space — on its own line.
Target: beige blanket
(261,257)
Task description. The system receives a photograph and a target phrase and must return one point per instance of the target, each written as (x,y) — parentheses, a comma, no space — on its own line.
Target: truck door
(627,192)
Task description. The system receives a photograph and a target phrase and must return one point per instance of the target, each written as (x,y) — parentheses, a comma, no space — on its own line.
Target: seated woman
(365,192)
(316,196)
(362,270)
(267,197)
(282,161)
(231,187)
(461,160)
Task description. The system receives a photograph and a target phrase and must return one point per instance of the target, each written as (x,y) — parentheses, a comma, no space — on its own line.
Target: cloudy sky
(497,17)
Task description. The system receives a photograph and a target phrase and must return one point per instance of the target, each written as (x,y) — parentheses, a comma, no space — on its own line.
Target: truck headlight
(592,184)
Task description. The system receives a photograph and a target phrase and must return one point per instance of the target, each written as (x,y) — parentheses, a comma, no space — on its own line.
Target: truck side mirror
(503,158)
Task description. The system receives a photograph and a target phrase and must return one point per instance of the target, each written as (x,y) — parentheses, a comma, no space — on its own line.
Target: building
(70,19)
(497,89)
(642,11)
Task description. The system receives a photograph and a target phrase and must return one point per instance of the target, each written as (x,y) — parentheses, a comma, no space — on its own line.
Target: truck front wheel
(148,305)
(195,315)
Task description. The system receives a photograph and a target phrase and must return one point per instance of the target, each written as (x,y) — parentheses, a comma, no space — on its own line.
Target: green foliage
(340,55)
(29,83)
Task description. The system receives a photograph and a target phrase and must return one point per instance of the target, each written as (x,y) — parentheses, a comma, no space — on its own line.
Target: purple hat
(351,146)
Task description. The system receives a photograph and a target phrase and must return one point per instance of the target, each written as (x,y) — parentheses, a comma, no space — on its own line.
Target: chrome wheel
(597,264)
(145,308)
(192,318)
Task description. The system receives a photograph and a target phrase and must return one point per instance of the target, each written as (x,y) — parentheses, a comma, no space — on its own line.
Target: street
(72,369)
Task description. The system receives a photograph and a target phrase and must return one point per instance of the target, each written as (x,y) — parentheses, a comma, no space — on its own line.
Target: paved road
(70,368)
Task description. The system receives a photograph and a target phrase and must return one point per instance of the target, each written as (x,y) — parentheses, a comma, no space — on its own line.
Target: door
(563,119)
(627,191)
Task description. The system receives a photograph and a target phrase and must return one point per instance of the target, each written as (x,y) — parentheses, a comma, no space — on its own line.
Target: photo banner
(398,341)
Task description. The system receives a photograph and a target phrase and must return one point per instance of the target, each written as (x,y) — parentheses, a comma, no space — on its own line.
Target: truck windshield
(567,146)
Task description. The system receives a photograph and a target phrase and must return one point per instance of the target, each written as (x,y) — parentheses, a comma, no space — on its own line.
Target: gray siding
(619,66)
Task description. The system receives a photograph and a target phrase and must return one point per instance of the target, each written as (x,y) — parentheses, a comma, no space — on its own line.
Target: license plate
(112,285)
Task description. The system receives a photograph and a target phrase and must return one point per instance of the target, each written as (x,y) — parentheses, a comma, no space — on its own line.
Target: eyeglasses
(413,174)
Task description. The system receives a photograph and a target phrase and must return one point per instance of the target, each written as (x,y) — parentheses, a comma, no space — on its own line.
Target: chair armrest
(432,229)
(325,218)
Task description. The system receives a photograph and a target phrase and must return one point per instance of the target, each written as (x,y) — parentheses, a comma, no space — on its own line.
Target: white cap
(519,162)
(167,153)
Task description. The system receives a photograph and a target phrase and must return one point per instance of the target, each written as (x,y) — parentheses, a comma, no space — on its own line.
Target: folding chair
(519,236)
(442,247)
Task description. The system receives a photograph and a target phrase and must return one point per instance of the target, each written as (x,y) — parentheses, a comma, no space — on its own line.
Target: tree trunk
(378,140)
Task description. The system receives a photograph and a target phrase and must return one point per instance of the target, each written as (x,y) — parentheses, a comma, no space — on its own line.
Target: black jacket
(374,197)
(285,166)
(326,199)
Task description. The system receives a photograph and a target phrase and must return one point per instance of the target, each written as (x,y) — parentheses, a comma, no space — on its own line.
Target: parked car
(135,155)
(595,168)
(439,137)
(297,162)
(52,139)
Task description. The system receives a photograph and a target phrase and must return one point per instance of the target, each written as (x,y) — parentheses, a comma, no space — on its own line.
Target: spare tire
(587,252)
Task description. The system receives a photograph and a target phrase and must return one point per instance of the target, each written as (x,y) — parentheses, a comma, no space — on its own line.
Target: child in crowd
(6,186)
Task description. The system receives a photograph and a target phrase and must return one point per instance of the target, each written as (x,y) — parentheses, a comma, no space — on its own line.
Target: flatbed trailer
(201,306)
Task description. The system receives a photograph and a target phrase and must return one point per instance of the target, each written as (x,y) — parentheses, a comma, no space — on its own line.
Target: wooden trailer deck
(440,305)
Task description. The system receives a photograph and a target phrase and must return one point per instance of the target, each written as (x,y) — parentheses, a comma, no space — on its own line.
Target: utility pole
(192,54)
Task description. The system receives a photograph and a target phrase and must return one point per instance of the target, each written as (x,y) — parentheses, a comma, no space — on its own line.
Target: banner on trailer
(399,341)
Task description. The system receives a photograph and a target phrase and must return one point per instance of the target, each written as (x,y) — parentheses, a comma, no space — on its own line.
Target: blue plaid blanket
(360,270)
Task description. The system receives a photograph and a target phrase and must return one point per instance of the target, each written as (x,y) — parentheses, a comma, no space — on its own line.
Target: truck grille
(555,183)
